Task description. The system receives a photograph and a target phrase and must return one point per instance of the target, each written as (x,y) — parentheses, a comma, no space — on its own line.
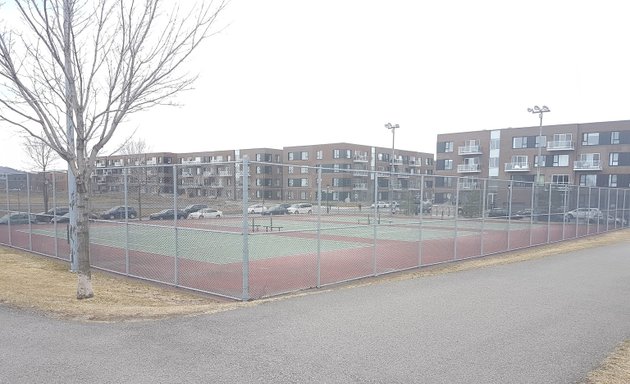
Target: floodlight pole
(391,171)
(540,111)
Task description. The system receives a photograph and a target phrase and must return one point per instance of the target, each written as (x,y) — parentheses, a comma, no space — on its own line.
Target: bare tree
(41,155)
(73,70)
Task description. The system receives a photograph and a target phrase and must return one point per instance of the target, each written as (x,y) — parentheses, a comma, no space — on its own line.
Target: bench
(271,228)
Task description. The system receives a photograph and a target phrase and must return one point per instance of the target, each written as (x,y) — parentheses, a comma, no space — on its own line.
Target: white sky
(289,72)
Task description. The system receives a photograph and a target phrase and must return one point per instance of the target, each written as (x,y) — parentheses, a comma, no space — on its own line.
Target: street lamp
(540,111)
(391,173)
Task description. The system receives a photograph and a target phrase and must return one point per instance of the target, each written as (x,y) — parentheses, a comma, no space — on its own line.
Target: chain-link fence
(282,228)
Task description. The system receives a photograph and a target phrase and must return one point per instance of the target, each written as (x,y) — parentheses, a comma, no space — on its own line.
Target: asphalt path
(550,320)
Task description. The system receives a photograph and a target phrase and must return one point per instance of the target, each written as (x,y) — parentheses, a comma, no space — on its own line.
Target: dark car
(279,209)
(118,212)
(46,217)
(168,214)
(66,218)
(194,208)
(17,218)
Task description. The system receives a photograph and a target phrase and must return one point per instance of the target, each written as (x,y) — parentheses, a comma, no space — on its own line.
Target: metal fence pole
(319,225)
(28,209)
(6,182)
(456,215)
(484,199)
(577,205)
(374,222)
(245,228)
(125,170)
(175,228)
(509,218)
(175,259)
(531,215)
(549,218)
(421,206)
(54,191)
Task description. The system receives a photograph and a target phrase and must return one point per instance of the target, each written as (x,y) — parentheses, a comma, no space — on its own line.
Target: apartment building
(150,173)
(591,154)
(346,172)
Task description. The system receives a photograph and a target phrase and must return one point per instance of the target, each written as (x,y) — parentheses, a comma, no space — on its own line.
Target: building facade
(349,170)
(589,155)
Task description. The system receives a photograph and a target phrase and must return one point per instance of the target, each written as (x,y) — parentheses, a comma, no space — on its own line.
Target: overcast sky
(290,72)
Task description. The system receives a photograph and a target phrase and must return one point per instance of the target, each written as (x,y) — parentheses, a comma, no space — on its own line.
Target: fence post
(245,229)
(531,216)
(6,181)
(421,206)
(509,212)
(484,200)
(456,216)
(28,210)
(175,234)
(125,170)
(54,204)
(375,222)
(549,217)
(319,223)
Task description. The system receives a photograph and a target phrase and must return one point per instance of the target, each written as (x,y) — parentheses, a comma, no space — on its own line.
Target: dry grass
(46,286)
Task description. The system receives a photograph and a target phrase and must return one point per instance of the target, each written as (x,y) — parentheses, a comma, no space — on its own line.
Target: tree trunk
(84,287)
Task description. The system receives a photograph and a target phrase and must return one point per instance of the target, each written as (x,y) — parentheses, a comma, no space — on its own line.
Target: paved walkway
(543,321)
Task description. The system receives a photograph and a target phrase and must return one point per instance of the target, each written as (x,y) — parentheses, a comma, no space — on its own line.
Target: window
(303,169)
(304,155)
(612,181)
(613,159)
(495,143)
(541,141)
(448,146)
(560,161)
(448,164)
(336,153)
(493,162)
(614,138)
(560,179)
(428,161)
(519,142)
(588,180)
(319,155)
(540,161)
(290,169)
(519,160)
(290,156)
(590,138)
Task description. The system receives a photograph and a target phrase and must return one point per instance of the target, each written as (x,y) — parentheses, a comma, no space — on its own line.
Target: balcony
(225,173)
(360,158)
(196,160)
(587,165)
(359,187)
(469,150)
(360,173)
(468,168)
(560,145)
(517,167)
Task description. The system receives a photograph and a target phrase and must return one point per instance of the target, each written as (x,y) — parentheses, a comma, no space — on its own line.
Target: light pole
(540,111)
(391,172)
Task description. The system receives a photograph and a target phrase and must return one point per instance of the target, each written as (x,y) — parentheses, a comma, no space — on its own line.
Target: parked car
(46,217)
(66,218)
(168,214)
(194,208)
(279,209)
(256,208)
(204,213)
(618,221)
(380,204)
(502,213)
(17,218)
(584,214)
(300,208)
(118,212)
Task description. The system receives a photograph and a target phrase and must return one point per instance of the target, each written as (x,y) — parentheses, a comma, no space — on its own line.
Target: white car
(300,208)
(256,208)
(380,204)
(205,213)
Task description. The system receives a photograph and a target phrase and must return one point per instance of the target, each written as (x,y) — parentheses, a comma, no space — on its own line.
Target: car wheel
(111,217)
(201,216)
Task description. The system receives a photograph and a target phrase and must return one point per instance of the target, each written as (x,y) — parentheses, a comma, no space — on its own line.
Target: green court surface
(297,237)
